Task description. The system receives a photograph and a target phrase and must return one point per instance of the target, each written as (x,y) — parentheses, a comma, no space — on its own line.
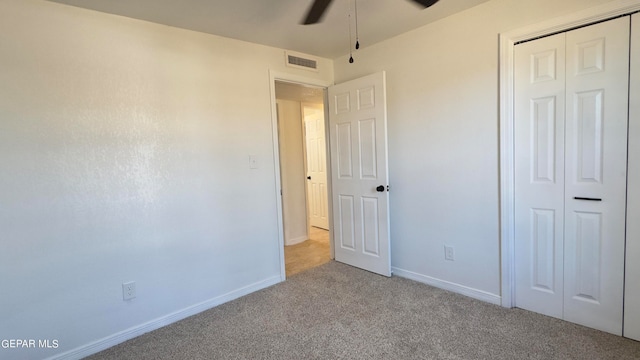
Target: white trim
(291,78)
(297,79)
(327,140)
(276,162)
(447,285)
(507,188)
(122,336)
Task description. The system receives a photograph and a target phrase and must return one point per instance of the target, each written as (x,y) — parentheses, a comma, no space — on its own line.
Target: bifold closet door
(571,136)
(539,170)
(596,174)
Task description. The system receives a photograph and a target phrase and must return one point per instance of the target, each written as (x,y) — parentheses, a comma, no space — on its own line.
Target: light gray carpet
(338,312)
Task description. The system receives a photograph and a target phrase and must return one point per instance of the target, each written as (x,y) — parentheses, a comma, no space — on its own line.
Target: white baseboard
(120,337)
(446,285)
(296,240)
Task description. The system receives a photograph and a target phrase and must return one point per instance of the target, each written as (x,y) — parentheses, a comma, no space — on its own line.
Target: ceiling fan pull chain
(350,53)
(357,37)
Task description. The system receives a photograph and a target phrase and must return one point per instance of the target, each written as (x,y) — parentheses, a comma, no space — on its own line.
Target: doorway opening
(302,145)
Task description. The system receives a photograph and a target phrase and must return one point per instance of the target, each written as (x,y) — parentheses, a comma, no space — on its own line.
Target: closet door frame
(507,121)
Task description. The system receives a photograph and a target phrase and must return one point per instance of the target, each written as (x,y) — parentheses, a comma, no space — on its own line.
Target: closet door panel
(539,176)
(595,174)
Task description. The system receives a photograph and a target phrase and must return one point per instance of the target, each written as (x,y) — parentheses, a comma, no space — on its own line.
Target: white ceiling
(277,22)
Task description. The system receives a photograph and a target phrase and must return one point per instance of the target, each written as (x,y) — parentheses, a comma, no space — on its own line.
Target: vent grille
(308,63)
(301,61)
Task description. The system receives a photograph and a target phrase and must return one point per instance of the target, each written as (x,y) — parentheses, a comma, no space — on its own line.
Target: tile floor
(309,253)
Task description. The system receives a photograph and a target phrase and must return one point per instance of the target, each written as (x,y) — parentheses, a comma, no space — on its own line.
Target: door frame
(299,80)
(506,119)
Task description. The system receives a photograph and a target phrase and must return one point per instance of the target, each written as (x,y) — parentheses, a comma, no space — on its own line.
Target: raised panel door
(596,173)
(317,194)
(358,138)
(571,163)
(539,158)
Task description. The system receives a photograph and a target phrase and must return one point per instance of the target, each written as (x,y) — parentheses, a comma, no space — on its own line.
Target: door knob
(308,177)
(380,188)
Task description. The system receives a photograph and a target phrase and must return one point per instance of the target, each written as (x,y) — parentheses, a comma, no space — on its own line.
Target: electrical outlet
(128,290)
(448,253)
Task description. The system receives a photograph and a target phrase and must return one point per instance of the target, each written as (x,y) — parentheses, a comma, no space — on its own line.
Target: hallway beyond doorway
(308,254)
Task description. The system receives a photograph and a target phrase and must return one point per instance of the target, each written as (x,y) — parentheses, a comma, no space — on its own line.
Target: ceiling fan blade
(316,11)
(425,3)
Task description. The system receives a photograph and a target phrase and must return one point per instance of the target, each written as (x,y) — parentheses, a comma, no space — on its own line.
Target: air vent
(301,61)
(308,63)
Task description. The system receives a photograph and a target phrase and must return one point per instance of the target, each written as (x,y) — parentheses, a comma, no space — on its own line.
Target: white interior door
(571,156)
(596,174)
(539,159)
(316,166)
(358,137)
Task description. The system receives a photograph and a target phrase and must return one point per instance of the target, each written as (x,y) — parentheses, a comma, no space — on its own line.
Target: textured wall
(442,93)
(124,156)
